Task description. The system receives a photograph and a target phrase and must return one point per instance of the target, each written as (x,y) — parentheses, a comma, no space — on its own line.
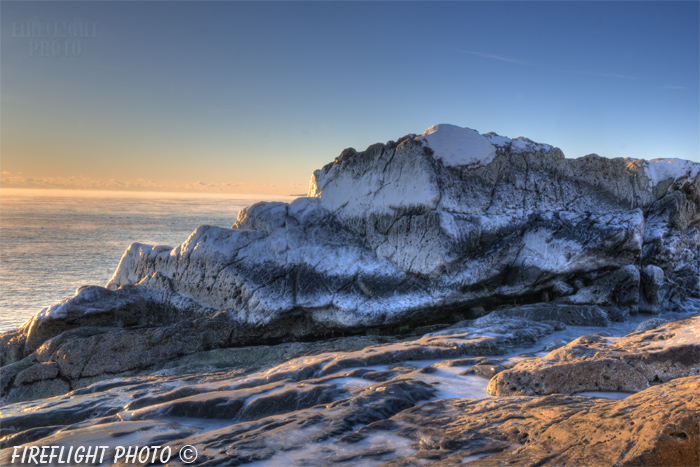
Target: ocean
(54,241)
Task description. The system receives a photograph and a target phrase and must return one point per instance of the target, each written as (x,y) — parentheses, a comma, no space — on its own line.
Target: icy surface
(385,446)
(452,384)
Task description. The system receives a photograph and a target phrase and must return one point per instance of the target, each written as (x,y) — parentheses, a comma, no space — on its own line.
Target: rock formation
(444,222)
(430,229)
(656,427)
(363,322)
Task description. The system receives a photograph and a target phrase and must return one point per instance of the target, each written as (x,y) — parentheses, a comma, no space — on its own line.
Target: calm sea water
(52,242)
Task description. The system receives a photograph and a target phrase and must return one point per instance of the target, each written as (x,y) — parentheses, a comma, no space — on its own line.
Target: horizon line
(77,190)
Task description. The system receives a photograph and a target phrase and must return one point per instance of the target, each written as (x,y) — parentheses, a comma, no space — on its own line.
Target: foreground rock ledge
(80,357)
(598,363)
(659,426)
(316,404)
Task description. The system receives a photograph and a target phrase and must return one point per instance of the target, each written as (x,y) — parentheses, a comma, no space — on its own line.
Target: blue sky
(252,97)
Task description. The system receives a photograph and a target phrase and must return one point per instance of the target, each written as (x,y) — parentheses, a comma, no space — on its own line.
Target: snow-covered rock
(456,146)
(444,220)
(419,231)
(669,170)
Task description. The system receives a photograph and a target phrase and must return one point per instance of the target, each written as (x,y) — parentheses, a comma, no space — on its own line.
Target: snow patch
(658,170)
(517,145)
(456,146)
(498,140)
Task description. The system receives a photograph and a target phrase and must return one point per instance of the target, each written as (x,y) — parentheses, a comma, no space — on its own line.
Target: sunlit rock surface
(599,363)
(655,427)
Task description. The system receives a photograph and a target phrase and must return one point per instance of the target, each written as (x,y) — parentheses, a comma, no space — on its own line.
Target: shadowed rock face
(432,229)
(82,356)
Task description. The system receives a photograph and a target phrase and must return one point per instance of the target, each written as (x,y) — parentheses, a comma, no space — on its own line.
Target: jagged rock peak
(455,146)
(457,170)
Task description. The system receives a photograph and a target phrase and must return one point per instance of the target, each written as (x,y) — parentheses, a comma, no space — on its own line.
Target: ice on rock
(387,232)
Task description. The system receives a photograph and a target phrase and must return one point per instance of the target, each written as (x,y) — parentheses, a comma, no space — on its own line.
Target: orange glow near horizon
(55,192)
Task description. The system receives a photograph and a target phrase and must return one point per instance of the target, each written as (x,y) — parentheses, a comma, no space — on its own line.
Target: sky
(252,97)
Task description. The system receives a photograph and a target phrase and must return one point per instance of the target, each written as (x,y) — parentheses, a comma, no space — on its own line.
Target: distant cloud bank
(10,180)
